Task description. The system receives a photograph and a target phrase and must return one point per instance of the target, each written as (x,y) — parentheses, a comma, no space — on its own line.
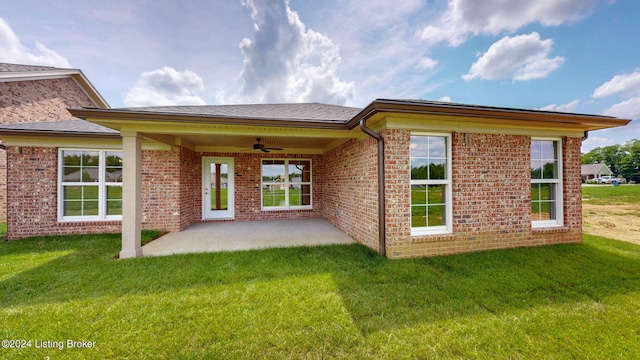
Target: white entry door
(217,188)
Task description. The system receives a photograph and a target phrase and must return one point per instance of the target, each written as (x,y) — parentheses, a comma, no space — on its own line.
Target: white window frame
(559,220)
(101,184)
(286,186)
(448,227)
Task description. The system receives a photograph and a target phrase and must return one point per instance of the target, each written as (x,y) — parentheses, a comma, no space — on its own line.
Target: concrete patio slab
(247,235)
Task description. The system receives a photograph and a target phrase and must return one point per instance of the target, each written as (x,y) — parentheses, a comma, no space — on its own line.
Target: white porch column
(131,183)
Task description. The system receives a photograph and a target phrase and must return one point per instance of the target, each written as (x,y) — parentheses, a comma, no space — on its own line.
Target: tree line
(622,159)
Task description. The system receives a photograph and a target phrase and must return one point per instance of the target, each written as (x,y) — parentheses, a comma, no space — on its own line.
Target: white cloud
(445,99)
(568,107)
(166,86)
(13,51)
(524,57)
(427,63)
(288,63)
(628,109)
(624,85)
(465,18)
(597,141)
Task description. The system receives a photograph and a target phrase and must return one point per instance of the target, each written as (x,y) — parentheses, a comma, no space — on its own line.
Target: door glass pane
(219,186)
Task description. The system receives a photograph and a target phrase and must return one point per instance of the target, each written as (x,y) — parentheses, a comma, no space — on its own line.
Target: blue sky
(565,55)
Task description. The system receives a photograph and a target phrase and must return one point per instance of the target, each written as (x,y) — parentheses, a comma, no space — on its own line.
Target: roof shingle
(5,67)
(296,111)
(64,126)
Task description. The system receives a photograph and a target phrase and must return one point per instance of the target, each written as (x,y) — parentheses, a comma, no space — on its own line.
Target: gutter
(382,236)
(586,136)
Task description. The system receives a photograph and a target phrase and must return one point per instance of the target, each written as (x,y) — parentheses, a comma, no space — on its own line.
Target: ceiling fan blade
(262,147)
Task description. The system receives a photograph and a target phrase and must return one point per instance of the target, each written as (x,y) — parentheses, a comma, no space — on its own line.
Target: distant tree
(432,172)
(630,163)
(622,159)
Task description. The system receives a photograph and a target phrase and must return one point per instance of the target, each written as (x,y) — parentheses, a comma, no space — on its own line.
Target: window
(430,184)
(90,185)
(286,184)
(546,187)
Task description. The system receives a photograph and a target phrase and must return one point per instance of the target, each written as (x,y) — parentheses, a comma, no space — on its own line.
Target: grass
(611,195)
(565,301)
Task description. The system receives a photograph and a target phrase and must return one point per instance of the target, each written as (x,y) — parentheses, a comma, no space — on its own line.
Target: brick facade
(490,185)
(491,196)
(350,197)
(33,101)
(171,191)
(32,183)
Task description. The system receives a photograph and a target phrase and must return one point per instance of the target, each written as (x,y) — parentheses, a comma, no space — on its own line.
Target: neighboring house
(408,178)
(39,93)
(595,171)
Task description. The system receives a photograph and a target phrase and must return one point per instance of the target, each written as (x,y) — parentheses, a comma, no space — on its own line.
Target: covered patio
(247,235)
(228,142)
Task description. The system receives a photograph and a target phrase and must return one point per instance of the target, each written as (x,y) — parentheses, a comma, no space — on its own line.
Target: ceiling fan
(262,147)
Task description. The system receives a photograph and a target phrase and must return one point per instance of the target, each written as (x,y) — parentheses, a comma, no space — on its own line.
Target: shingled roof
(78,127)
(297,111)
(5,67)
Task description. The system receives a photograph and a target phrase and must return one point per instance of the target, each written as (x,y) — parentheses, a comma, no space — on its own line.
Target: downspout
(586,136)
(382,237)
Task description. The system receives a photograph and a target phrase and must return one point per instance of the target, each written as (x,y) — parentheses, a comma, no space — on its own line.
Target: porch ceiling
(241,143)
(221,138)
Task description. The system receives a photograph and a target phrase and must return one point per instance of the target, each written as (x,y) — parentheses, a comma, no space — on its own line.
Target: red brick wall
(491,196)
(490,183)
(32,183)
(33,189)
(171,183)
(398,191)
(31,101)
(160,190)
(171,191)
(190,188)
(351,188)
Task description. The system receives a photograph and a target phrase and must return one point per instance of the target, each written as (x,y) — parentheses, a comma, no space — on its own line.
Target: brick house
(450,177)
(595,171)
(40,93)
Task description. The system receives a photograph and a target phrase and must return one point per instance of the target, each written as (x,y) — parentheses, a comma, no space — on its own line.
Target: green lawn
(567,301)
(607,194)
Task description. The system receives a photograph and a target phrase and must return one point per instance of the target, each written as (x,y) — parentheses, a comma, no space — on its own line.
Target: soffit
(420,114)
